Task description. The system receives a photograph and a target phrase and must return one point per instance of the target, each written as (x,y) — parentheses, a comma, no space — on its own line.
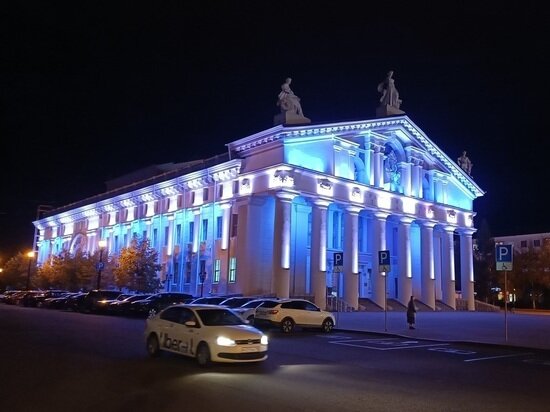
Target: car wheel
(287,325)
(328,324)
(250,319)
(153,348)
(203,355)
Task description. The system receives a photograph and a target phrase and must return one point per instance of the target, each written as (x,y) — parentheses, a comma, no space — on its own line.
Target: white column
(197,229)
(281,247)
(448,273)
(226,210)
(369,164)
(404,260)
(351,257)
(378,242)
(319,252)
(427,264)
(417,168)
(378,166)
(406,180)
(467,267)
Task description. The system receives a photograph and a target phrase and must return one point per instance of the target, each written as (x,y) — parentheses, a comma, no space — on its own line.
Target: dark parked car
(95,301)
(122,307)
(155,303)
(236,301)
(209,300)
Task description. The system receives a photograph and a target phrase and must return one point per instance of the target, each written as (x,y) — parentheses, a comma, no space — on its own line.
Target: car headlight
(223,341)
(264,340)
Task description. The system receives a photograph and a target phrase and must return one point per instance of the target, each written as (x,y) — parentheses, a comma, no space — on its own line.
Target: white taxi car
(205,332)
(288,313)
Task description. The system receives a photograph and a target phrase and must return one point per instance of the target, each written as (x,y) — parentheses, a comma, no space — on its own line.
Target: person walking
(411,313)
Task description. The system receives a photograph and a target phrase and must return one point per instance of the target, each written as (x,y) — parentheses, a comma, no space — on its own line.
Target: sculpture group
(291,107)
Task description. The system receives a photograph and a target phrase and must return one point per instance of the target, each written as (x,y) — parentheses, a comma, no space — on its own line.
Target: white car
(205,332)
(248,310)
(288,313)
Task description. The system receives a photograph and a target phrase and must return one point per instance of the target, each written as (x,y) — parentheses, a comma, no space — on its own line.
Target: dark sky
(92,91)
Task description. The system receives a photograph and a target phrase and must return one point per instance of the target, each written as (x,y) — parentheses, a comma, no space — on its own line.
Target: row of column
(377,240)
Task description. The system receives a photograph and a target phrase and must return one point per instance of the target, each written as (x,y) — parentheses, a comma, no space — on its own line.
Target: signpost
(504,255)
(384,267)
(338,266)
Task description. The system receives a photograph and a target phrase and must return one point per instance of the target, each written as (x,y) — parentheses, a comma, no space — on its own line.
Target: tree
(68,271)
(137,267)
(15,272)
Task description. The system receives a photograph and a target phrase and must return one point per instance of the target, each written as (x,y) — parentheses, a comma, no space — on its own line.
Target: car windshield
(219,317)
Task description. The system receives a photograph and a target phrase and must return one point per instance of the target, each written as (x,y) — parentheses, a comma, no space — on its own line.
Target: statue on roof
(291,108)
(390,103)
(465,163)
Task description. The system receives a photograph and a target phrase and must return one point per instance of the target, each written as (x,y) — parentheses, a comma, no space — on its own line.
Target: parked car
(236,301)
(248,310)
(122,307)
(58,302)
(95,301)
(206,333)
(209,300)
(155,303)
(288,313)
(38,299)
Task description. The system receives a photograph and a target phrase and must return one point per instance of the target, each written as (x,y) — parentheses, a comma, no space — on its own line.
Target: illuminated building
(267,217)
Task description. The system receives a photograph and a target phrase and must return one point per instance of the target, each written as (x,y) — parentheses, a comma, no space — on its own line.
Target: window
(234,225)
(523,243)
(125,239)
(116,245)
(536,242)
(191,230)
(217,271)
(204,232)
(187,279)
(178,234)
(144,234)
(155,236)
(220,191)
(232,270)
(166,230)
(205,194)
(219,227)
(176,274)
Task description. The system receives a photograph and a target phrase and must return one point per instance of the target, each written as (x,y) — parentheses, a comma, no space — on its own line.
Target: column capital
(449,229)
(381,215)
(321,203)
(353,210)
(466,231)
(406,220)
(428,224)
(225,205)
(285,196)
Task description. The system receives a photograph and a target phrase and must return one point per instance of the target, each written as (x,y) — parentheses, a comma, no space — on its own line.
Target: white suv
(289,313)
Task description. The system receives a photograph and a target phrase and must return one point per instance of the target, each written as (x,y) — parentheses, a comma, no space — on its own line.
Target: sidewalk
(524,328)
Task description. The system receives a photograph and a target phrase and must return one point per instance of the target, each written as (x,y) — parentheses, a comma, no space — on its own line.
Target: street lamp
(30,255)
(101,244)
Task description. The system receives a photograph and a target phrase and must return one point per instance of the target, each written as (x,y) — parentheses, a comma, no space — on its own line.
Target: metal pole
(99,267)
(385,301)
(29,274)
(505,307)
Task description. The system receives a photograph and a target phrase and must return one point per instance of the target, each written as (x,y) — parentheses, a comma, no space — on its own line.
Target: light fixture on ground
(30,255)
(102,244)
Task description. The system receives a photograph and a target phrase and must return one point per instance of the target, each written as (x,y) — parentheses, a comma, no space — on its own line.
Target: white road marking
(497,357)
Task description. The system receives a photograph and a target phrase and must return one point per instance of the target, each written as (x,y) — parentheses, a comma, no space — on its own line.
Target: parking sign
(383,261)
(338,261)
(504,255)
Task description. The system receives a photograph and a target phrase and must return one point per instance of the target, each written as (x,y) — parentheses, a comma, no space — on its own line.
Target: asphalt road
(64,361)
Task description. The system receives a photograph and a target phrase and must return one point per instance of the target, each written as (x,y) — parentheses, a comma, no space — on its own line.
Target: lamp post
(101,244)
(30,255)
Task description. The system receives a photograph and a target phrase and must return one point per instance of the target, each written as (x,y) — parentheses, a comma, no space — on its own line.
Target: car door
(312,314)
(170,330)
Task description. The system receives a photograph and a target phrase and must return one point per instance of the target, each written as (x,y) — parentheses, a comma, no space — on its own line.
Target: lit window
(217,271)
(232,270)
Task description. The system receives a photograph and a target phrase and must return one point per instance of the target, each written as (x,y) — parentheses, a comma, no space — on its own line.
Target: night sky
(93,91)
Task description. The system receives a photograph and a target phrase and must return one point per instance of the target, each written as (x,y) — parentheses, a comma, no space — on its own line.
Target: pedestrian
(411,313)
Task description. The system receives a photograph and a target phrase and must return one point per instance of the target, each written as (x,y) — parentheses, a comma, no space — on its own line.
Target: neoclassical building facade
(270,215)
